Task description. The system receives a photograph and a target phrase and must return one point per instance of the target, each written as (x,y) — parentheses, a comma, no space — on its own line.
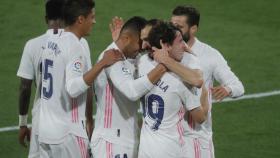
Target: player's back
(116,115)
(60,114)
(163,113)
(31,68)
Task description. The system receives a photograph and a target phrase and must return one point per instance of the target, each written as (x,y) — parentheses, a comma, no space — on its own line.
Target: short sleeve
(26,68)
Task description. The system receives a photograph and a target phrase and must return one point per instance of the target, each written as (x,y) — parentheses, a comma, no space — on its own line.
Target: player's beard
(186,36)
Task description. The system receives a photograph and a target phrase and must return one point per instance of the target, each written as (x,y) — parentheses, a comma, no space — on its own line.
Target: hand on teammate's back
(111,56)
(24,133)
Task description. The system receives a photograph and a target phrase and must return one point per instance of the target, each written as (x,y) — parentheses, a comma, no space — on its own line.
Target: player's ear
(80,19)
(193,29)
(166,46)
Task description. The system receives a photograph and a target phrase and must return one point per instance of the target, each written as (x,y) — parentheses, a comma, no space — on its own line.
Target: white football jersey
(31,68)
(63,95)
(191,61)
(117,95)
(163,111)
(214,67)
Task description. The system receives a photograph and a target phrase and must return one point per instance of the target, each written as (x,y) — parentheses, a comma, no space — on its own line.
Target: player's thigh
(34,146)
(200,148)
(45,151)
(71,147)
(119,151)
(101,148)
(189,148)
(153,147)
(75,147)
(211,148)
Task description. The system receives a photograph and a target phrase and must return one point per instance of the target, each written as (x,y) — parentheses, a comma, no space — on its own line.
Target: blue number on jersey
(48,91)
(155,109)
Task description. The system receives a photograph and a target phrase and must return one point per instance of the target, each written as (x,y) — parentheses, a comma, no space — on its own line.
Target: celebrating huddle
(157,66)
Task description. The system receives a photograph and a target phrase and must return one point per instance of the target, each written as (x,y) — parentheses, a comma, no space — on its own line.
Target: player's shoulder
(111,46)
(206,48)
(68,42)
(144,58)
(189,57)
(37,41)
(145,63)
(84,42)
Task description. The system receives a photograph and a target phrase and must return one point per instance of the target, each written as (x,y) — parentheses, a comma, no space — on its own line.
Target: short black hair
(135,24)
(75,8)
(190,12)
(153,22)
(54,9)
(164,31)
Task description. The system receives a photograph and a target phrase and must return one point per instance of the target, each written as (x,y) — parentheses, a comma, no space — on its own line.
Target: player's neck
(74,30)
(191,41)
(55,24)
(120,46)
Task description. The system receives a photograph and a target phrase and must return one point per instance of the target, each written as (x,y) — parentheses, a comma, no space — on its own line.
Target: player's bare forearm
(156,73)
(110,57)
(91,75)
(193,77)
(24,95)
(88,112)
(89,104)
(204,100)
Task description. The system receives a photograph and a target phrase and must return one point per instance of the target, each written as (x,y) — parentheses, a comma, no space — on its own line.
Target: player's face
(181,23)
(144,37)
(89,21)
(177,48)
(133,47)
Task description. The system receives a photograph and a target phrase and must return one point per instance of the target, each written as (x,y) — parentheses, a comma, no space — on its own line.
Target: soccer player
(66,77)
(117,93)
(214,67)
(30,70)
(164,106)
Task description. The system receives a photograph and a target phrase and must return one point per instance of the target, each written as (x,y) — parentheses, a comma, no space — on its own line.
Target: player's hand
(220,92)
(111,56)
(89,128)
(161,55)
(24,133)
(115,27)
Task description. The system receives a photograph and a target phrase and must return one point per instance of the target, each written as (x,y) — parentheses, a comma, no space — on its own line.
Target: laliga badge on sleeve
(77,66)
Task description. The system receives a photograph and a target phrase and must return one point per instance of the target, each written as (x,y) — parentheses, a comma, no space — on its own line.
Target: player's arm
(130,87)
(193,77)
(26,74)
(196,104)
(88,112)
(200,113)
(77,82)
(230,84)
(24,99)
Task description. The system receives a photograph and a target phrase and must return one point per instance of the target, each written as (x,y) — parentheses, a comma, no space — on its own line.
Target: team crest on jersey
(126,71)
